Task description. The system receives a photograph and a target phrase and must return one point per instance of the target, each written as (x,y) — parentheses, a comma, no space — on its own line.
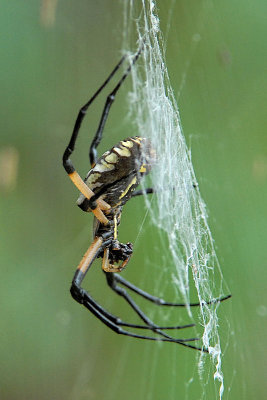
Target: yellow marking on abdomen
(111,158)
(115,228)
(137,139)
(123,152)
(92,178)
(142,169)
(128,188)
(127,143)
(107,165)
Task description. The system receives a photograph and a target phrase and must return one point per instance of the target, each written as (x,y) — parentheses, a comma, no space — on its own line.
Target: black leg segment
(114,323)
(159,301)
(70,148)
(110,99)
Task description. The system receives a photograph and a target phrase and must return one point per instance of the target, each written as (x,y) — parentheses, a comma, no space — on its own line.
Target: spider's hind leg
(114,323)
(159,301)
(141,192)
(112,282)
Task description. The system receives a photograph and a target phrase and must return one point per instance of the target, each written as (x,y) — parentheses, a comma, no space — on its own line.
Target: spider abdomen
(118,171)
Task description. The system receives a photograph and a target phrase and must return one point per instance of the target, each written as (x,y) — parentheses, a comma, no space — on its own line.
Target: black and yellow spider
(110,183)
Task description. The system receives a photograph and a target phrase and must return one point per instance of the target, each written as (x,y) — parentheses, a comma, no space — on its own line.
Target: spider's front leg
(81,185)
(67,163)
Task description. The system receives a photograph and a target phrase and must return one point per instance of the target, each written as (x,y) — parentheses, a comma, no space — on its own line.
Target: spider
(110,183)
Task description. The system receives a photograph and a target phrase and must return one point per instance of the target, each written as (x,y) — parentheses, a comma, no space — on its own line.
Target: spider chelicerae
(110,183)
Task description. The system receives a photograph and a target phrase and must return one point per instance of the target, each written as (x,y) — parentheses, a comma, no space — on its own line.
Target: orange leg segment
(88,193)
(90,255)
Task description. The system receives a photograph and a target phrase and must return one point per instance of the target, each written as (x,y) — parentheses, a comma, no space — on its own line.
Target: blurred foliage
(53,56)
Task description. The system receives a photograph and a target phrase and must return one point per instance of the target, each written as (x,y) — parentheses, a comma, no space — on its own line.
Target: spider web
(177,209)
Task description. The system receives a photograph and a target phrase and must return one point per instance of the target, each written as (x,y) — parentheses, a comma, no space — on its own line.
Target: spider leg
(111,280)
(78,293)
(67,163)
(70,148)
(143,191)
(136,326)
(92,202)
(159,301)
(112,322)
(88,302)
(81,293)
(84,265)
(110,99)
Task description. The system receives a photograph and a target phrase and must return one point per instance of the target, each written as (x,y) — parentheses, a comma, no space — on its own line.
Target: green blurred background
(53,56)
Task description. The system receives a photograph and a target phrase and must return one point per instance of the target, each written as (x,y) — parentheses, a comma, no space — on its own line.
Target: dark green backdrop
(50,347)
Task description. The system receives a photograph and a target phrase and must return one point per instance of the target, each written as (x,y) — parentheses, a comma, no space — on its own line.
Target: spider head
(116,256)
(120,252)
